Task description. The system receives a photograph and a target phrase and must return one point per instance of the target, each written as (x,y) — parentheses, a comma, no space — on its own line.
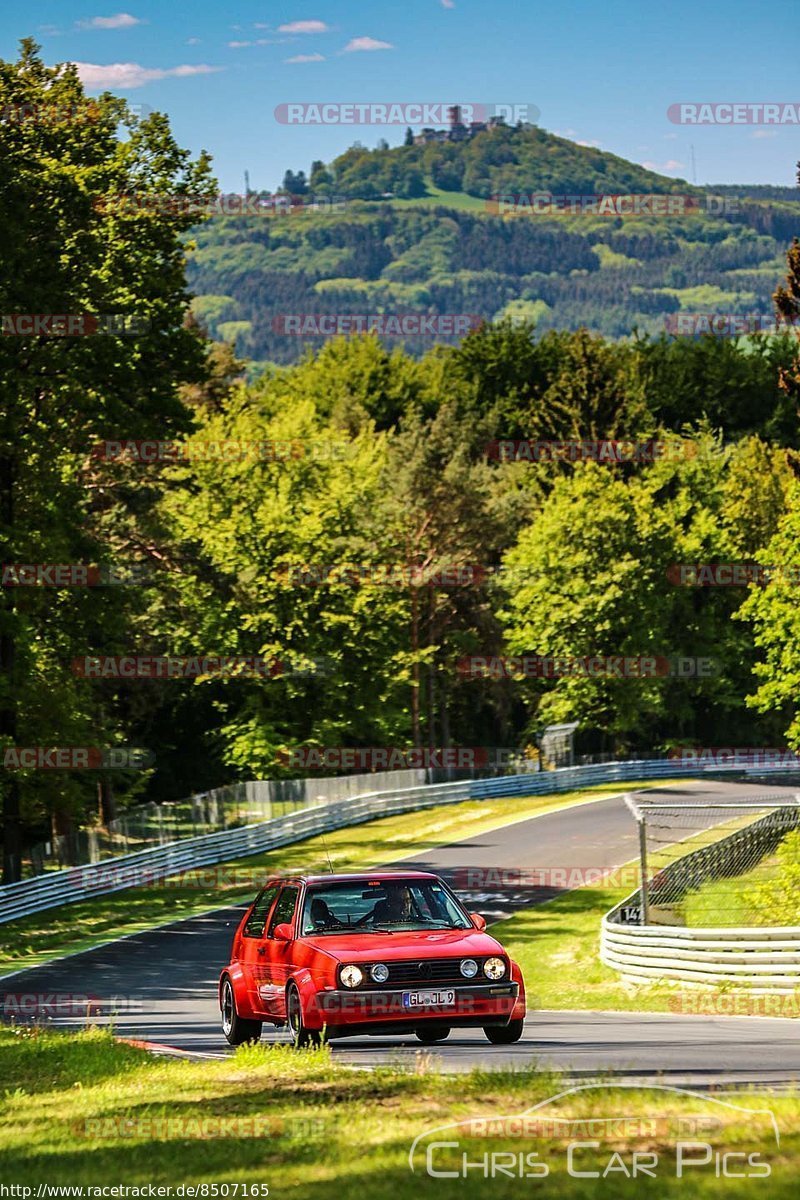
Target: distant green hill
(415,230)
(502,159)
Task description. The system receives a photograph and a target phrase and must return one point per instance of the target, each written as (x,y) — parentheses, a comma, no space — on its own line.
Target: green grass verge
(85,1111)
(73,927)
(725,902)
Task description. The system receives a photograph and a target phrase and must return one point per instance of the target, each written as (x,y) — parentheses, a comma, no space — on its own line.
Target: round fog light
(380,972)
(351,976)
(494,968)
(469,968)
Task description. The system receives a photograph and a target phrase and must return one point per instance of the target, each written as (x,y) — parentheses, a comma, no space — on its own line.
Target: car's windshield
(385,905)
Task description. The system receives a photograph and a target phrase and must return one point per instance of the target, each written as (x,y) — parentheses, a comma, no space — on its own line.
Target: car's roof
(360,876)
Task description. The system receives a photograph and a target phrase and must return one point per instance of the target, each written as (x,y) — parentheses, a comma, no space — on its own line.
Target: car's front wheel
(504,1035)
(294,1011)
(236,1029)
(433,1034)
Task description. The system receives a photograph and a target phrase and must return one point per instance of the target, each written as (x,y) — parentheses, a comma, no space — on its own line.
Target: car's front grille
(419,972)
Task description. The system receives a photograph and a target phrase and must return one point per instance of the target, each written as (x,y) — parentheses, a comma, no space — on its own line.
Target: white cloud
(133,75)
(593,143)
(764,133)
(118,21)
(365,43)
(304,27)
(670,165)
(448,4)
(670,137)
(193,41)
(304,58)
(259,42)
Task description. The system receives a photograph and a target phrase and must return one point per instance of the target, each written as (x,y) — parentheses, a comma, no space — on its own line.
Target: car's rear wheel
(433,1034)
(504,1035)
(236,1029)
(301,1036)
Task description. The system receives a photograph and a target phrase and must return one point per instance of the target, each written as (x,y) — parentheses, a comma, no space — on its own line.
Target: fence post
(643,860)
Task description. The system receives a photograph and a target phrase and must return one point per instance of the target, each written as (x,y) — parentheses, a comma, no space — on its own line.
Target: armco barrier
(762,959)
(131,870)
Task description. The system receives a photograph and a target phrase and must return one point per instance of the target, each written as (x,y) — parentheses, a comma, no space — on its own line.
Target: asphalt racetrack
(166,980)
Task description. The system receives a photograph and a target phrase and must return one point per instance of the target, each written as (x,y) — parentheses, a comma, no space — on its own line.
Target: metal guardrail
(145,866)
(762,959)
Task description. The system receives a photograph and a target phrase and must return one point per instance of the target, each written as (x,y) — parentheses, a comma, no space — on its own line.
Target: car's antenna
(327,855)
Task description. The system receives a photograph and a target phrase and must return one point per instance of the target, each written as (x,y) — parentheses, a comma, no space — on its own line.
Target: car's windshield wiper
(350,929)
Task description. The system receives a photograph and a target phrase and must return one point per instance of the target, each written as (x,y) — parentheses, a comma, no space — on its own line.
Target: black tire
(294,1011)
(504,1035)
(433,1034)
(236,1029)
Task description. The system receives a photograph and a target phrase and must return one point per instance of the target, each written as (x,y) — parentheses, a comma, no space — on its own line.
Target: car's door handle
(262,950)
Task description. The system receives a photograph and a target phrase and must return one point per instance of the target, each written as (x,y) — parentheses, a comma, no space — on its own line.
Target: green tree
(70,246)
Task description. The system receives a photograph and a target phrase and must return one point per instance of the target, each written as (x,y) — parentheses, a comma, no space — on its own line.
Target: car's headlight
(469,968)
(351,976)
(494,968)
(379,972)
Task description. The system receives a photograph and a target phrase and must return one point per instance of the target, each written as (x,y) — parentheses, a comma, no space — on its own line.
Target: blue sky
(604,74)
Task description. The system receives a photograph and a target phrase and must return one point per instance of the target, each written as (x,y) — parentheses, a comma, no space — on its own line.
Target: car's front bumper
(479,1004)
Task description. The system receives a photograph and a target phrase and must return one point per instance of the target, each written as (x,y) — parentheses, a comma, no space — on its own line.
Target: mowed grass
(83,1110)
(73,927)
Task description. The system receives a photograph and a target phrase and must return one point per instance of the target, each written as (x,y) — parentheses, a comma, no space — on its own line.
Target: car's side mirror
(282,933)
(478,921)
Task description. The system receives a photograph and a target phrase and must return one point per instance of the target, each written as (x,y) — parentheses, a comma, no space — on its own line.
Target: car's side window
(258,917)
(283,913)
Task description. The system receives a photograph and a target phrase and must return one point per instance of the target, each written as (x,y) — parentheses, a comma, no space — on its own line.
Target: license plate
(427,999)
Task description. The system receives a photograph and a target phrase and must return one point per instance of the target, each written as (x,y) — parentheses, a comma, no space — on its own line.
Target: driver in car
(397,906)
(321,915)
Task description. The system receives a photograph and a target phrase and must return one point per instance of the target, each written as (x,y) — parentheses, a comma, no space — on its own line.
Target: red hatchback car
(383,952)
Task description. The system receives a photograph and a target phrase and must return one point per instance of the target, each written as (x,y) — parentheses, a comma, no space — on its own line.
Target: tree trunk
(62,824)
(415,672)
(106,801)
